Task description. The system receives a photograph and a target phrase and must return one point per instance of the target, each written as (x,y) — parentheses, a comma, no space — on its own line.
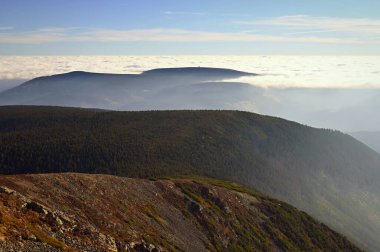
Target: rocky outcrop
(4,189)
(141,246)
(81,212)
(34,206)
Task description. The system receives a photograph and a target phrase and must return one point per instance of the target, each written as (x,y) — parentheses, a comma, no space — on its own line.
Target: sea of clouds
(275,71)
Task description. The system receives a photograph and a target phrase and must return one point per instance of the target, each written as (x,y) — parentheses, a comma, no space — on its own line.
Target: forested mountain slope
(326,173)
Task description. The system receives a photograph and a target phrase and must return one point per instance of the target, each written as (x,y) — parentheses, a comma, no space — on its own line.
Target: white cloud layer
(277,71)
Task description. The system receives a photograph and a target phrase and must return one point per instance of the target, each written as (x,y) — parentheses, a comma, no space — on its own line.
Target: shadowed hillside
(81,212)
(326,173)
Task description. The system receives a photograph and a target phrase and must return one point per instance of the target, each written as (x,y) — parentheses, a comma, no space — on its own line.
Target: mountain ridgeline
(326,173)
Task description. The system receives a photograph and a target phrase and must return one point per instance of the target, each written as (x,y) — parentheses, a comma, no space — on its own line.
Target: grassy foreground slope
(82,212)
(325,173)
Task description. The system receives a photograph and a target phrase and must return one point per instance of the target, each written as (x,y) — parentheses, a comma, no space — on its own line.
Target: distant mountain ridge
(154,89)
(206,73)
(200,71)
(326,173)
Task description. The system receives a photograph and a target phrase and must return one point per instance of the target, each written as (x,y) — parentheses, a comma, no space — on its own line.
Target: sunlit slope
(110,213)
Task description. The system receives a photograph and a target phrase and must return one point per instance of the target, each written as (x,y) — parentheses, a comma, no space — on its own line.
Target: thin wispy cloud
(34,37)
(158,35)
(6,28)
(313,24)
(185,13)
(204,14)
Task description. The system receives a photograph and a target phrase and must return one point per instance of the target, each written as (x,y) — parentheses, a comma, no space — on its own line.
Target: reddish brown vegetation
(81,212)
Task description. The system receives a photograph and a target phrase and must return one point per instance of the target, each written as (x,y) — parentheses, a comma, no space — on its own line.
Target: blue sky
(158,27)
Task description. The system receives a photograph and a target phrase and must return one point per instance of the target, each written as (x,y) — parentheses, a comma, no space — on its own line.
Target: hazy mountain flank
(79,212)
(154,89)
(201,88)
(372,139)
(328,174)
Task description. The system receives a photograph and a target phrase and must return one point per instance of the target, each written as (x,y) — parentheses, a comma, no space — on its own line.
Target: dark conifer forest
(323,172)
